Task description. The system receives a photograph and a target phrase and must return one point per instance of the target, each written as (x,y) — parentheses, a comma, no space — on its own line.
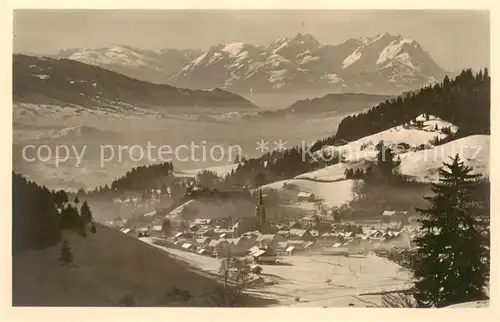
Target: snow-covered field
(306,278)
(334,172)
(332,194)
(423,165)
(330,185)
(365,148)
(207,208)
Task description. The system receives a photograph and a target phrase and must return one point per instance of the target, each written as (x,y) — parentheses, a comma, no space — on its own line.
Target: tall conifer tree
(452,264)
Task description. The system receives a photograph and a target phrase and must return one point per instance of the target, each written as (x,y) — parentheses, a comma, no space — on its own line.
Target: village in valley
(316,240)
(267,242)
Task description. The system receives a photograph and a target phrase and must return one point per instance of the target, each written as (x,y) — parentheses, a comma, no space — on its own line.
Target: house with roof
(306,197)
(127,230)
(253,249)
(188,246)
(245,224)
(290,250)
(295,225)
(264,256)
(221,247)
(203,251)
(203,241)
(282,235)
(395,216)
(202,221)
(310,221)
(280,247)
(178,235)
(310,246)
(156,231)
(266,240)
(300,234)
(314,233)
(240,245)
(388,216)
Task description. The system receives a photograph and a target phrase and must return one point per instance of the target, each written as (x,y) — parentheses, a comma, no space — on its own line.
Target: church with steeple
(260,212)
(257,222)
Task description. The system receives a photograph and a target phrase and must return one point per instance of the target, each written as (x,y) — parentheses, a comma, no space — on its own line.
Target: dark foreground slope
(107,266)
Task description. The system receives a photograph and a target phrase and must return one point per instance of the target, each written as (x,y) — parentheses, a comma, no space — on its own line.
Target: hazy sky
(455,39)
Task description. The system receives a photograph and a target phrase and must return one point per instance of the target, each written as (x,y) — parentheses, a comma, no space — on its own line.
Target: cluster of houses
(265,241)
(216,238)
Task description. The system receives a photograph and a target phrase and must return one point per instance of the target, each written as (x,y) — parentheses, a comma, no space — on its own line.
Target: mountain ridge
(44,80)
(380,64)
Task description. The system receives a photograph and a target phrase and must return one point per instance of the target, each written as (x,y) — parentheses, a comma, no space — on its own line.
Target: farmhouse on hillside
(395,216)
(306,197)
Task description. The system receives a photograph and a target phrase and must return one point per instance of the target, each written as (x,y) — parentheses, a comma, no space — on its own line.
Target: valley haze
(196,158)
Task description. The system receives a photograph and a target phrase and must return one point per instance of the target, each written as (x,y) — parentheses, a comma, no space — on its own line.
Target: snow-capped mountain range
(148,65)
(383,63)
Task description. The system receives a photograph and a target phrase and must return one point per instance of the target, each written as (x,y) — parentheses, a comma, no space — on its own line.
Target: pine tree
(85,212)
(93,230)
(70,218)
(385,161)
(166,227)
(66,256)
(452,262)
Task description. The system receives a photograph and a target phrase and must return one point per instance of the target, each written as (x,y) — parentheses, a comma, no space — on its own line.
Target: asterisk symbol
(262,145)
(280,145)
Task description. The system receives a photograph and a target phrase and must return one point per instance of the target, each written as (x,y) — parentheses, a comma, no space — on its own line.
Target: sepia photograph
(251,158)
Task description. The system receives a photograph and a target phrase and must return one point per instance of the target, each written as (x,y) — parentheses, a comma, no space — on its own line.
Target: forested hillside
(463,101)
(39,215)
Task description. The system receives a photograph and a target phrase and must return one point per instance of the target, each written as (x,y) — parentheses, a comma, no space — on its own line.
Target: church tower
(260,211)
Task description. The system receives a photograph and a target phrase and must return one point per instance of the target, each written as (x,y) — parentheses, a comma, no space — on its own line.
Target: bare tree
(398,300)
(235,276)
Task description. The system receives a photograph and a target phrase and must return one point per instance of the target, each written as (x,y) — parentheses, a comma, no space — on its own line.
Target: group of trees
(39,215)
(35,218)
(277,165)
(72,218)
(354,174)
(208,179)
(138,179)
(386,167)
(236,279)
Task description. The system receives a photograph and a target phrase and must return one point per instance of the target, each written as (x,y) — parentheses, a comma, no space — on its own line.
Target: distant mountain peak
(306,38)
